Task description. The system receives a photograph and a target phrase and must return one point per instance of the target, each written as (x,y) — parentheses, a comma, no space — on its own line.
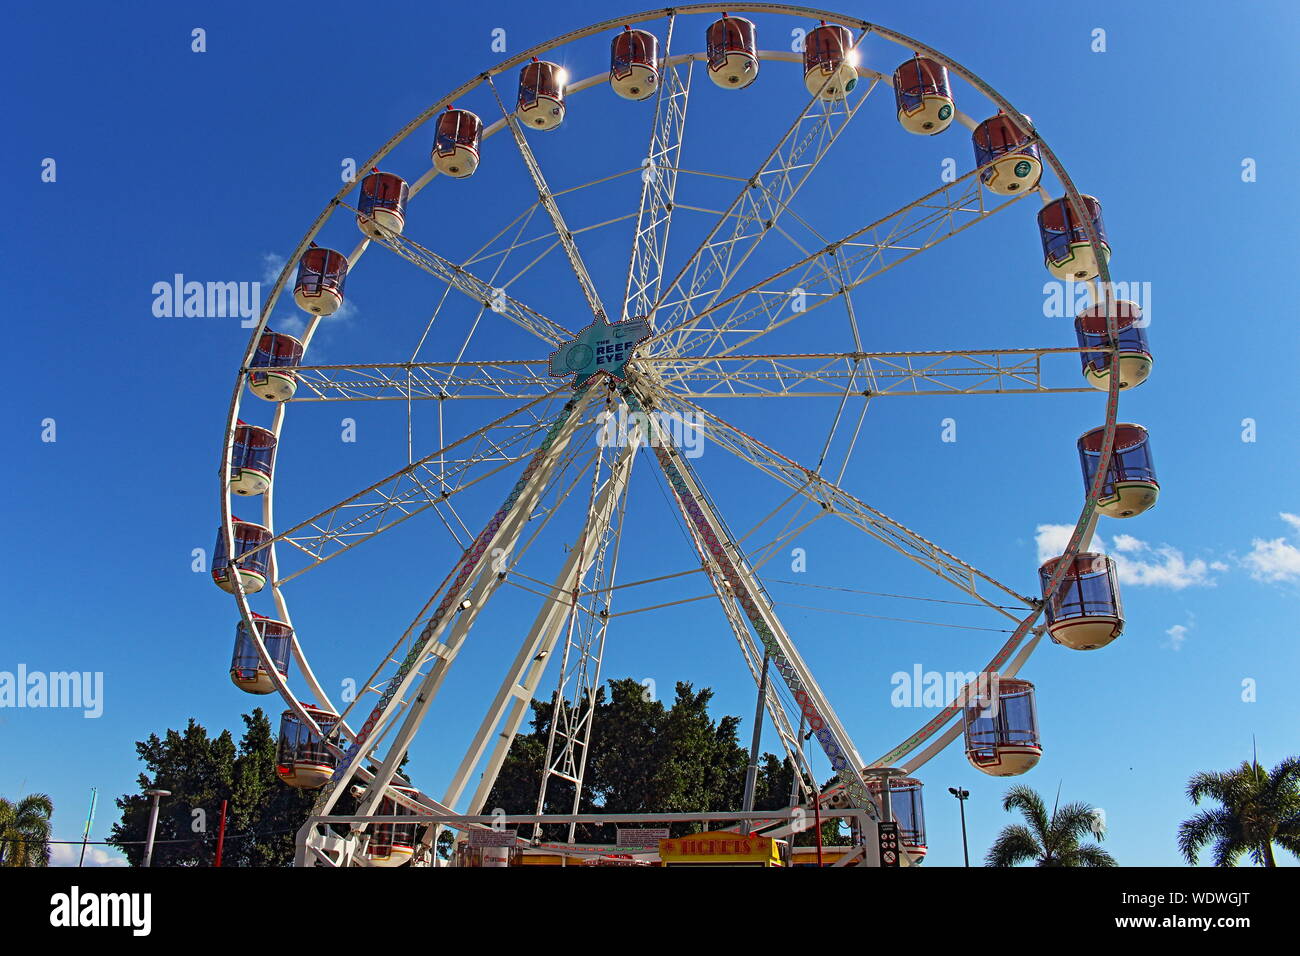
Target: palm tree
(1258,809)
(1048,842)
(25,830)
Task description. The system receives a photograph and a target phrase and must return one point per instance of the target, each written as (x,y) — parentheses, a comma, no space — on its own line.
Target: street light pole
(961,796)
(153,822)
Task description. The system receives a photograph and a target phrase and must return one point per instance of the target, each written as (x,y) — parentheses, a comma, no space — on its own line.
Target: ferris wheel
(680,323)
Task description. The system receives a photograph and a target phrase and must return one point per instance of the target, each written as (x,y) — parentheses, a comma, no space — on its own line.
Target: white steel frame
(694,354)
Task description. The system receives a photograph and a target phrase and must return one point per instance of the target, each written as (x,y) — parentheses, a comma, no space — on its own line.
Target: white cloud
(1137,563)
(343,313)
(290,324)
(68,854)
(1167,569)
(1177,634)
(1277,559)
(272,265)
(1126,542)
(1052,539)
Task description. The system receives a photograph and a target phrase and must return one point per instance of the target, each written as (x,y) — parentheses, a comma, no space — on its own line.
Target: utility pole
(153,822)
(751,775)
(221,832)
(798,763)
(90,817)
(817,817)
(961,796)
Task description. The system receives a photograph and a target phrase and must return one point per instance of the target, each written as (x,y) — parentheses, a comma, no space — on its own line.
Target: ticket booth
(721,849)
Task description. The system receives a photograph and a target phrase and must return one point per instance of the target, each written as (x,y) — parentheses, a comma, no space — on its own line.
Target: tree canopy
(1044,840)
(645,756)
(262,815)
(25,830)
(1257,809)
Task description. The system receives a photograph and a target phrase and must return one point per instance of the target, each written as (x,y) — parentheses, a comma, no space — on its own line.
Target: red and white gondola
(303,759)
(381,206)
(252,459)
(322,274)
(456,143)
(1131,486)
(634,64)
(1131,352)
(1001,727)
(270,373)
(1085,612)
(248,570)
(541,94)
(731,48)
(923,96)
(247,671)
(830,62)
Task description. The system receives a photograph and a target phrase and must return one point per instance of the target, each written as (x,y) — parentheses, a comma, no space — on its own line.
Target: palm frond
(1030,804)
(1195,833)
(1089,854)
(1015,844)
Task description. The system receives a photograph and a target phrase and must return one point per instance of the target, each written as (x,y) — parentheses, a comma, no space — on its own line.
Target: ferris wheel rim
(1083,528)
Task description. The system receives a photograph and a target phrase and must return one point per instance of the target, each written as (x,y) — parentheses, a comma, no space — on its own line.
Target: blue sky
(213,165)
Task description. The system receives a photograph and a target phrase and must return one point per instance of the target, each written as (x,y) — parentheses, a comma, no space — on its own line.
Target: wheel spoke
(857,257)
(873,374)
(547,199)
(482,292)
(758,206)
(658,187)
(813,375)
(833,498)
(429,482)
(515,379)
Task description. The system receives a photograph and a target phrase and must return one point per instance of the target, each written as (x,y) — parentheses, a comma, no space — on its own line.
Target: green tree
(1257,809)
(644,757)
(1053,841)
(25,830)
(772,792)
(200,771)
(774,782)
(263,809)
(627,749)
(700,766)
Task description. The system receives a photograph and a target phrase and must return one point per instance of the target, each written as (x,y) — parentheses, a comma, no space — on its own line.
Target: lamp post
(153,822)
(961,796)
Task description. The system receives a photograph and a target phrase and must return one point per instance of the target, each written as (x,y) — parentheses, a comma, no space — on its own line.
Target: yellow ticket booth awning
(719,849)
